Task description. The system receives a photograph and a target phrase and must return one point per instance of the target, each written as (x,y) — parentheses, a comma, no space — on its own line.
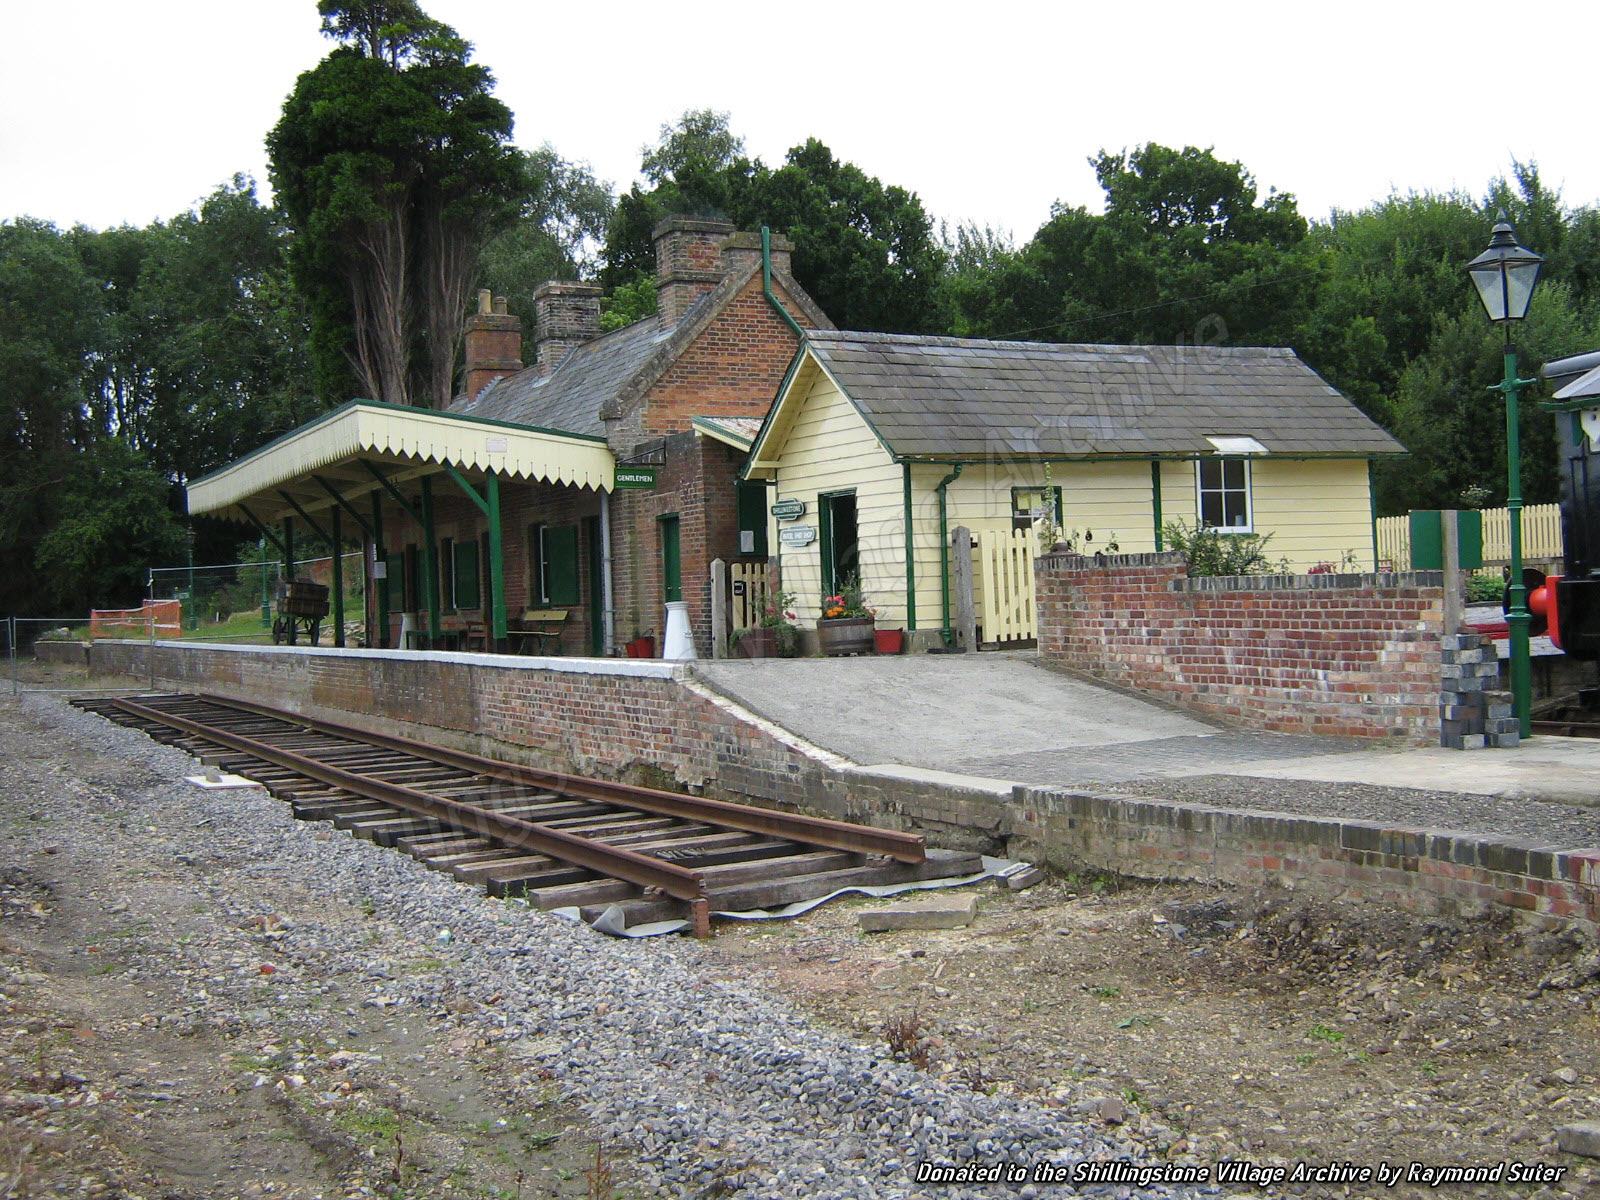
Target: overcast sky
(125,111)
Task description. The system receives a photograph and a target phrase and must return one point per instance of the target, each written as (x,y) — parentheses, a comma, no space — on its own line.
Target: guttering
(911,550)
(766,284)
(944,547)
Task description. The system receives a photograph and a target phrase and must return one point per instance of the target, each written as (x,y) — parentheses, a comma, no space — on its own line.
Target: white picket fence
(1005,599)
(1541,537)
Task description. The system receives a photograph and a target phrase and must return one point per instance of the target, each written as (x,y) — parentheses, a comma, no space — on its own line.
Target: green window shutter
(753,518)
(671,560)
(561,565)
(466,574)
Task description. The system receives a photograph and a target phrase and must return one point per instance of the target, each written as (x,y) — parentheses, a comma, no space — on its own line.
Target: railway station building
(566,495)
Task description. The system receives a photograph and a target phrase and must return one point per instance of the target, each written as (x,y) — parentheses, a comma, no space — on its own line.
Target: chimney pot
(493,345)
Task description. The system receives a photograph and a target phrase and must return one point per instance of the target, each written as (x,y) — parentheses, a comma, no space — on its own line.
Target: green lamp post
(1505,275)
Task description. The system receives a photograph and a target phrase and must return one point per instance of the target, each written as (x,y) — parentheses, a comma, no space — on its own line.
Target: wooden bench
(535,629)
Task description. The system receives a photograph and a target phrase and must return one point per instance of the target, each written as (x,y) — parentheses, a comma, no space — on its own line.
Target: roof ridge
(956,343)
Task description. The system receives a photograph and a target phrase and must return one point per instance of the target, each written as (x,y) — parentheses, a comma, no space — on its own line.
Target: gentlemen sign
(636,477)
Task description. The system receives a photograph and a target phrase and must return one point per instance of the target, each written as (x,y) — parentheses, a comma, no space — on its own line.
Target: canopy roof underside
(345,451)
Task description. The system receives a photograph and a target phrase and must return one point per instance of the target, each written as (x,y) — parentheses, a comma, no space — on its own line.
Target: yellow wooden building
(873,435)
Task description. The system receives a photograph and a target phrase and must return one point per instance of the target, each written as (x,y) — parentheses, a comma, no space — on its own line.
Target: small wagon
(301,607)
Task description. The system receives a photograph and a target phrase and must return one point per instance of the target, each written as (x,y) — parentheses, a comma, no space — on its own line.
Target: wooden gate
(1005,585)
(748,583)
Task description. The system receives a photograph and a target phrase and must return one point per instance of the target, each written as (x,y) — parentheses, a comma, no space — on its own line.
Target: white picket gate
(1005,585)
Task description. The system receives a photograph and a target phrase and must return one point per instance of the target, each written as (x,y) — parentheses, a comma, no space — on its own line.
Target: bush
(1485,589)
(1213,551)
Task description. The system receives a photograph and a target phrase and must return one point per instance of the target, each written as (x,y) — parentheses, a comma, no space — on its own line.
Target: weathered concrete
(953,910)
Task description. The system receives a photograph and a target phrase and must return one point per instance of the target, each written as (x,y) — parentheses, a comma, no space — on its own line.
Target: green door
(671,560)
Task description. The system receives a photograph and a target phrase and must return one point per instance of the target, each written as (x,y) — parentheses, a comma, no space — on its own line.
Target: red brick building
(532,454)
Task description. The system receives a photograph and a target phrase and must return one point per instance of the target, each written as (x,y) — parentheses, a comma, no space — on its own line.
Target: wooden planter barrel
(845,635)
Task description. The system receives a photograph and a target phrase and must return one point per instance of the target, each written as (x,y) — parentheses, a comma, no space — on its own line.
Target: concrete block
(1582,1137)
(949,911)
(1023,880)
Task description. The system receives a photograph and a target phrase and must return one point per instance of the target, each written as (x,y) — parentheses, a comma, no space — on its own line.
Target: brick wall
(1353,655)
(655,723)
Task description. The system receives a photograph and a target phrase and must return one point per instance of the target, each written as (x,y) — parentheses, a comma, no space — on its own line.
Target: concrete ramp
(997,714)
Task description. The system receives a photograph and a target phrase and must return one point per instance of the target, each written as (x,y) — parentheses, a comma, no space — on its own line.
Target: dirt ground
(1218,1024)
(153,1048)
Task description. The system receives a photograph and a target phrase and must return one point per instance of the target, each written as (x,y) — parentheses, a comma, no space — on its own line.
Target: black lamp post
(1505,275)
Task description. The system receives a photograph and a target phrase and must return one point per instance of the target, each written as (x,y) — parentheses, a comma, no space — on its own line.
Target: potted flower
(772,636)
(847,623)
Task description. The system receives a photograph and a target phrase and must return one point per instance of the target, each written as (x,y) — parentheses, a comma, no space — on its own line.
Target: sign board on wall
(798,535)
(789,510)
(636,477)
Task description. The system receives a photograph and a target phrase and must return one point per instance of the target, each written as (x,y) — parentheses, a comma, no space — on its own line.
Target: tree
(393,163)
(557,234)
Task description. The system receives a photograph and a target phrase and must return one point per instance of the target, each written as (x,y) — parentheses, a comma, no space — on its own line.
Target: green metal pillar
(288,547)
(1518,617)
(911,549)
(338,577)
(266,595)
(380,589)
(430,568)
(497,565)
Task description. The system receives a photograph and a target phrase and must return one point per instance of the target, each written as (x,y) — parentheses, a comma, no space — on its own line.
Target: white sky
(125,111)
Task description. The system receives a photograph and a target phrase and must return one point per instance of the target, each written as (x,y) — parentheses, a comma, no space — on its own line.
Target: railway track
(559,840)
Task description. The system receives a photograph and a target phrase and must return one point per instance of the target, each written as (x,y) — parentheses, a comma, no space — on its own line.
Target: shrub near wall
(1352,655)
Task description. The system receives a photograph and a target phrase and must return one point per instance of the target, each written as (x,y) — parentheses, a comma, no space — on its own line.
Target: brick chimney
(741,250)
(688,262)
(566,315)
(493,344)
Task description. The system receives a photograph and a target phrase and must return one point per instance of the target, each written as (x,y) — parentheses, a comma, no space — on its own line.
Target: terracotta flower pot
(845,635)
(759,643)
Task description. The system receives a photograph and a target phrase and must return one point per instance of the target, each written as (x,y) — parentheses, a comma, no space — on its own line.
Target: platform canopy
(364,445)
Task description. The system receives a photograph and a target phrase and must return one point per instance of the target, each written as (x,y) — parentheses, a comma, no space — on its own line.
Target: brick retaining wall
(654,722)
(1353,655)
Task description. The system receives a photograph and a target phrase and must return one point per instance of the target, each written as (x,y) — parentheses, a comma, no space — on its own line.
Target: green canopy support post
(381,587)
(288,547)
(338,579)
(430,569)
(310,521)
(266,596)
(344,504)
(490,504)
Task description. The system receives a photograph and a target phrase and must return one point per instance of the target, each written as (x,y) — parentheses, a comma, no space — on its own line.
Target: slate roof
(598,378)
(959,398)
(571,397)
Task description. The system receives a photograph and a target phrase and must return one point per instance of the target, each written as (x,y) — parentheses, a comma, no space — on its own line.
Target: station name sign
(789,510)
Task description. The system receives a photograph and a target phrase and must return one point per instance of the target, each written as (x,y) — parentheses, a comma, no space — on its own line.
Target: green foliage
(864,250)
(630,302)
(555,236)
(1485,589)
(114,519)
(394,166)
(1212,551)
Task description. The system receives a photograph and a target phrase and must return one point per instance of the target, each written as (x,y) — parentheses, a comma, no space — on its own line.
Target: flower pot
(759,643)
(845,635)
(889,641)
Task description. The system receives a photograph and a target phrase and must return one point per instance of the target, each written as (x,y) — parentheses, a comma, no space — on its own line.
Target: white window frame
(1201,491)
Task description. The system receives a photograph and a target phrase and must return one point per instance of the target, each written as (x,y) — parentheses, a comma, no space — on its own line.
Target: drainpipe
(944,547)
(766,284)
(607,620)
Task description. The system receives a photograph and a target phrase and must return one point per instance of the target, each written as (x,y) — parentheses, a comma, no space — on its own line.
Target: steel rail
(681,883)
(816,831)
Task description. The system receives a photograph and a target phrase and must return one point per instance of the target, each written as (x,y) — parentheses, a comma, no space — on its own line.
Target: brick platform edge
(655,723)
(71,654)
(1353,655)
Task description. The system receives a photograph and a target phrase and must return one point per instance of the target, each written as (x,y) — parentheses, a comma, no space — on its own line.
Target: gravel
(720,1088)
(1541,821)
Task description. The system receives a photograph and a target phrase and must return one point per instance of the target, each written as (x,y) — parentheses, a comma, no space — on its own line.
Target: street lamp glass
(1504,275)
